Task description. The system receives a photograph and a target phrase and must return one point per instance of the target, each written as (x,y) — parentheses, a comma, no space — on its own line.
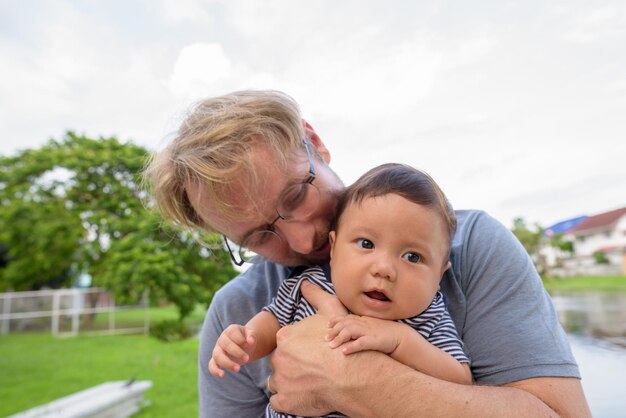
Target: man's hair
(405,181)
(212,146)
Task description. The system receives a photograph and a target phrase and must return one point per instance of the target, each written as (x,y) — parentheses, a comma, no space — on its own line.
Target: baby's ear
(331,239)
(446,267)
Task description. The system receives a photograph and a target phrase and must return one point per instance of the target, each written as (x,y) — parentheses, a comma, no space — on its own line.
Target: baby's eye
(365,243)
(412,257)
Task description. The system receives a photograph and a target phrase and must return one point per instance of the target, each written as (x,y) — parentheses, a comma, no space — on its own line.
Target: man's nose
(300,235)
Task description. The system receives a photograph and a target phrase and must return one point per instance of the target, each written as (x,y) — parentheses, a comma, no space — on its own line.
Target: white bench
(118,399)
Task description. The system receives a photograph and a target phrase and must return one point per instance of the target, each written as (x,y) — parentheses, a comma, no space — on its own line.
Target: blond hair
(212,147)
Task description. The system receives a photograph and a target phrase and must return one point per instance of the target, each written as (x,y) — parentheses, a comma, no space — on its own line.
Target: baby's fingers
(337,320)
(233,350)
(335,326)
(223,360)
(214,369)
(355,346)
(337,336)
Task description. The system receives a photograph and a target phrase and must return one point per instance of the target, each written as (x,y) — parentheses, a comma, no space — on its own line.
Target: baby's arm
(359,333)
(239,345)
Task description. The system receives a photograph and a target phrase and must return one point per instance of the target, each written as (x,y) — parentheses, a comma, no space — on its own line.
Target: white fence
(68,312)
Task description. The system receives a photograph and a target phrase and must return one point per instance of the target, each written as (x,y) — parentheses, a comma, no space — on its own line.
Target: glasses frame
(239,262)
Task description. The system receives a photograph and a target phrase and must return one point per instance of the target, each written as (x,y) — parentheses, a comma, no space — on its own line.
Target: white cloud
(470,50)
(596,23)
(198,66)
(183,11)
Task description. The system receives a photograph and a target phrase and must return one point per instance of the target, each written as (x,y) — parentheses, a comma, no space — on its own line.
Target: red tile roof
(599,221)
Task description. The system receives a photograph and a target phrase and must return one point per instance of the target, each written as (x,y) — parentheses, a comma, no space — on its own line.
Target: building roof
(601,220)
(563,226)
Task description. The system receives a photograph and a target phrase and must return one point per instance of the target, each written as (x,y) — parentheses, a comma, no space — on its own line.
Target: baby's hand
(359,333)
(232,350)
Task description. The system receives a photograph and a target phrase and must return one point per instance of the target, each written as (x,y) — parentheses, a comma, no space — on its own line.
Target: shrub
(171,330)
(600,257)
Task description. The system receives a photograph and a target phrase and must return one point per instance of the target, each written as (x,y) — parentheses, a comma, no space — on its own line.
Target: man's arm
(372,384)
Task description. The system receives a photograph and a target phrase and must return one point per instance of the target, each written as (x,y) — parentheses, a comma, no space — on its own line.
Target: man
(246,165)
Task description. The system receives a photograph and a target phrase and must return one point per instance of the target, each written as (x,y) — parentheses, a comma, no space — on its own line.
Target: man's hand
(232,350)
(305,369)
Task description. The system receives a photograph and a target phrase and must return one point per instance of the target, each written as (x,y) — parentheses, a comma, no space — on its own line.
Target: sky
(514,107)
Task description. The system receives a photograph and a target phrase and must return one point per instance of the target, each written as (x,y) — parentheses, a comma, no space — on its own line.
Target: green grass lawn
(587,283)
(37,368)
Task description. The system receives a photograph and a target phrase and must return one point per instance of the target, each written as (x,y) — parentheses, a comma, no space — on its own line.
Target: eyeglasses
(296,202)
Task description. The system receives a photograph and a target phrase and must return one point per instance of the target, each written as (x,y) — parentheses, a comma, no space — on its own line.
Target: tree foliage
(530,238)
(600,257)
(76,205)
(561,244)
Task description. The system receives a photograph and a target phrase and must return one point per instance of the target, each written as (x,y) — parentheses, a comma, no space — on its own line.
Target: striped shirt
(434,324)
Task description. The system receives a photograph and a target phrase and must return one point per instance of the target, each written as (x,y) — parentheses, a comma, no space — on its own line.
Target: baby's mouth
(375,294)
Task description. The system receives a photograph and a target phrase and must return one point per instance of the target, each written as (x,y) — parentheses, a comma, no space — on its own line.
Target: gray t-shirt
(495,297)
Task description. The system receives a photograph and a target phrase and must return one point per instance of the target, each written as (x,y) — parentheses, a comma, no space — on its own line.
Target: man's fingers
(267,385)
(325,303)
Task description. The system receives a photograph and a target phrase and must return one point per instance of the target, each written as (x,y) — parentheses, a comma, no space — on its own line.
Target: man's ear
(331,239)
(315,140)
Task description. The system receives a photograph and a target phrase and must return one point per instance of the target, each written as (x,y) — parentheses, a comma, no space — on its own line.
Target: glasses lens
(267,242)
(299,201)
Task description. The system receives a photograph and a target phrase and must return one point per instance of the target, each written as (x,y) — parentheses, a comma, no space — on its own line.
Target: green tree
(562,247)
(530,238)
(77,205)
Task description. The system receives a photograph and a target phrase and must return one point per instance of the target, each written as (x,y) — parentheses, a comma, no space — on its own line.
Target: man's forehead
(257,183)
(247,198)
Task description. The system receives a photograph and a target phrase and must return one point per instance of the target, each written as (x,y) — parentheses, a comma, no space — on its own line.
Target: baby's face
(388,255)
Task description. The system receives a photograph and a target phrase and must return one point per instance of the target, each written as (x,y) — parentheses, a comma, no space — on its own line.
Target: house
(552,256)
(599,245)
(563,227)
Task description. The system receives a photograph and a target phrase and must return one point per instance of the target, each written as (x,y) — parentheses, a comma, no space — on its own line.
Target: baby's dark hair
(403,180)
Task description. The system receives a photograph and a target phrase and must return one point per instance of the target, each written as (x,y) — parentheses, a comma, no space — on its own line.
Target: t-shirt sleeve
(511,330)
(284,305)
(445,337)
